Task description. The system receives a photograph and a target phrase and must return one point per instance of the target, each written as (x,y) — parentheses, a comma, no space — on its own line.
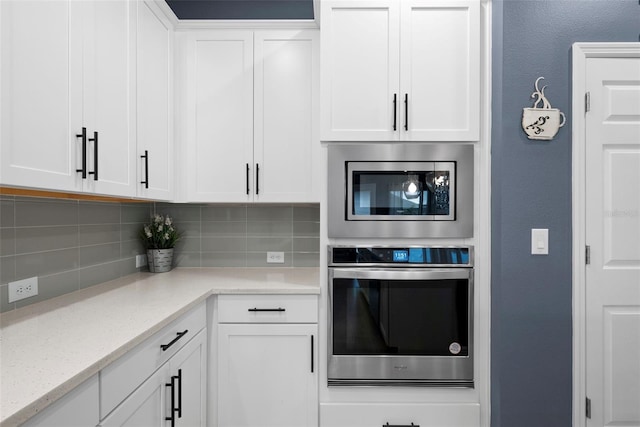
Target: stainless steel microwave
(400,190)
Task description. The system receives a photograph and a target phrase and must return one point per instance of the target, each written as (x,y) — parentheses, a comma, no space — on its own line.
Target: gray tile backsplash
(73,244)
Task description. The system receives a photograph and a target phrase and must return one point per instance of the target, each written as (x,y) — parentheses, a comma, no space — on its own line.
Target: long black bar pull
(406,111)
(266,309)
(179,377)
(257,178)
(172,417)
(312,354)
(145,156)
(395,111)
(95,156)
(83,135)
(400,425)
(179,335)
(247,179)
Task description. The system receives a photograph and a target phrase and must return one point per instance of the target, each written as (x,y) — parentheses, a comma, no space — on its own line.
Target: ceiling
(242,9)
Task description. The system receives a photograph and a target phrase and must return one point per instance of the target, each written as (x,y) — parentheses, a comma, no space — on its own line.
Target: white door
(286,145)
(41,94)
(359,70)
(220,116)
(613,234)
(190,365)
(267,375)
(440,70)
(148,406)
(109,60)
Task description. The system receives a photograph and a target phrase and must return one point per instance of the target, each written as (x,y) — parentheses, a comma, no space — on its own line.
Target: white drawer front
(124,375)
(378,415)
(268,309)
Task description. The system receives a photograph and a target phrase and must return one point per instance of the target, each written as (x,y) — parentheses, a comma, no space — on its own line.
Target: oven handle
(400,274)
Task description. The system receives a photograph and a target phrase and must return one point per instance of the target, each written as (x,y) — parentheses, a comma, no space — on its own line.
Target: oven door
(400,326)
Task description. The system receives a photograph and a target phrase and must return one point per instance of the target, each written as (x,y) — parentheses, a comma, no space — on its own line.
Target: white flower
(158,219)
(160,228)
(167,221)
(147,231)
(166,236)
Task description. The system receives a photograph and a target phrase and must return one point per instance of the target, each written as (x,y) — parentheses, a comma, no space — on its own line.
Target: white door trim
(581,52)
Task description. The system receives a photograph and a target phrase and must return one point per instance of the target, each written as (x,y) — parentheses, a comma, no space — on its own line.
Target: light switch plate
(540,241)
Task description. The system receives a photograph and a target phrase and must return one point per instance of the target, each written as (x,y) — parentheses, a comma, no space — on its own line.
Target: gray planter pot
(159,260)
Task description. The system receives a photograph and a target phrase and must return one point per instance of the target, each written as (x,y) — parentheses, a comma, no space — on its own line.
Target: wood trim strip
(26,192)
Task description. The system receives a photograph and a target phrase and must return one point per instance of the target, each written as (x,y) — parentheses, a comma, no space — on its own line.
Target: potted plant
(159,238)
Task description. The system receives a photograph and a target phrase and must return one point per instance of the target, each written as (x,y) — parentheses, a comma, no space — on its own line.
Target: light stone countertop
(48,348)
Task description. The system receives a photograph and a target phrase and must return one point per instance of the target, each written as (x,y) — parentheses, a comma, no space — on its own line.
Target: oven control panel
(449,256)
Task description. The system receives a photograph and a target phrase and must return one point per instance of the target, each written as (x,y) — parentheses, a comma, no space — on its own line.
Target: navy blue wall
(242,9)
(531,378)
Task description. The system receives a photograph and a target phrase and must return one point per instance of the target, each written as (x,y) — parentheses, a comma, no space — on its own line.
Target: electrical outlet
(141,260)
(275,257)
(22,289)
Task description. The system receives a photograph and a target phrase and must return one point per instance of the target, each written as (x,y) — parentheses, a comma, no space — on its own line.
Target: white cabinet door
(108,77)
(39,93)
(79,408)
(402,70)
(267,375)
(154,112)
(440,70)
(286,144)
(146,406)
(219,127)
(190,365)
(360,59)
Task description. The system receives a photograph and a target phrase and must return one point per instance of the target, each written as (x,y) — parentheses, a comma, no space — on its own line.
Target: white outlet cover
(21,289)
(275,257)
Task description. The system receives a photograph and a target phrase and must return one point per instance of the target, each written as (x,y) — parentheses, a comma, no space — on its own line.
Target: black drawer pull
(179,335)
(267,309)
(146,169)
(172,417)
(83,135)
(401,425)
(95,156)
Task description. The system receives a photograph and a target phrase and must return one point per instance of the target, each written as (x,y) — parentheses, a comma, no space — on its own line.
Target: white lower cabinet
(173,396)
(400,415)
(79,408)
(267,372)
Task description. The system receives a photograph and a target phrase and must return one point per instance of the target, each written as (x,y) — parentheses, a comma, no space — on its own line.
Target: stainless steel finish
(395,166)
(340,154)
(400,370)
(587,255)
(399,265)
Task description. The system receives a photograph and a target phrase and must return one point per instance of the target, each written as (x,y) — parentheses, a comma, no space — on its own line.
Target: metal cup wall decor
(541,122)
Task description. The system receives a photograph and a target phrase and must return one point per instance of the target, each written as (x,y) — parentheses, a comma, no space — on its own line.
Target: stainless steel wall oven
(400,190)
(400,316)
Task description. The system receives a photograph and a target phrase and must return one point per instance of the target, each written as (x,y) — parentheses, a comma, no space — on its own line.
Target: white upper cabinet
(405,70)
(72,73)
(108,96)
(286,144)
(249,116)
(41,69)
(154,119)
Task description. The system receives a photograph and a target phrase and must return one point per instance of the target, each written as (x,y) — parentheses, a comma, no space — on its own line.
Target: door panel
(612,230)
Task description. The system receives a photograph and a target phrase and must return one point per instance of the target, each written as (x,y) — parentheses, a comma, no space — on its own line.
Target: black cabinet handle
(400,425)
(179,335)
(406,111)
(257,178)
(247,179)
(395,111)
(172,417)
(95,156)
(179,378)
(145,156)
(267,309)
(312,354)
(83,135)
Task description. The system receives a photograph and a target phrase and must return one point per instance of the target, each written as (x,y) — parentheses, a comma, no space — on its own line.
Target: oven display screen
(400,256)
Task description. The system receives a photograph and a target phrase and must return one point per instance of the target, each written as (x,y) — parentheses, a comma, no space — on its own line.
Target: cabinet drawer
(123,376)
(377,415)
(268,309)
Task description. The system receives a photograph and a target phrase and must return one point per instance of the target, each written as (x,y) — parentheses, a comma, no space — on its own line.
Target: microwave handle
(400,274)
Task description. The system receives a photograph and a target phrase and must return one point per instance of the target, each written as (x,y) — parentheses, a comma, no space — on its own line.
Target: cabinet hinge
(587,102)
(588,408)
(587,254)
